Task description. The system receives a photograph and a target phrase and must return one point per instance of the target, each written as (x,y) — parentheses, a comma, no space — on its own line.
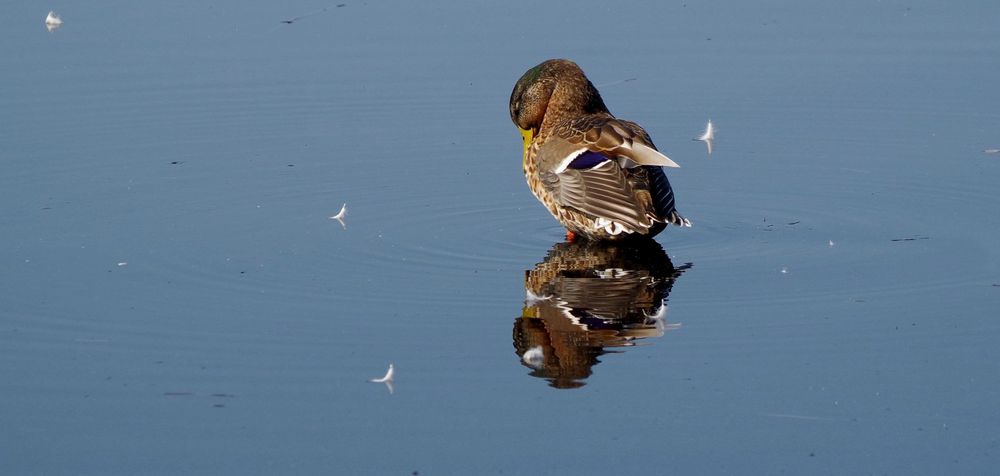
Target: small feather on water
(387,379)
(709,133)
(708,136)
(534,357)
(660,313)
(389,374)
(530,298)
(341,215)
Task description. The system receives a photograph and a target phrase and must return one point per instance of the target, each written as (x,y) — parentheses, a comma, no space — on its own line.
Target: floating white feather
(661,313)
(341,215)
(52,19)
(531,298)
(534,357)
(388,376)
(709,133)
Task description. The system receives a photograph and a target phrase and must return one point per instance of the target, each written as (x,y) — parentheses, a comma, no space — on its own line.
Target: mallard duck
(587,298)
(601,177)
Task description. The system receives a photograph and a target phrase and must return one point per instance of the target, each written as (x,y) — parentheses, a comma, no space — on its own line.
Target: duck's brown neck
(573,99)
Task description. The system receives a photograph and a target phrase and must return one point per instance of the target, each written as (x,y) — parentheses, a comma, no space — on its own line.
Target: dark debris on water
(912,238)
(192,394)
(293,20)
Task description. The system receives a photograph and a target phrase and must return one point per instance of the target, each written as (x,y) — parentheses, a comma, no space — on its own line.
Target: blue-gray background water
(175,299)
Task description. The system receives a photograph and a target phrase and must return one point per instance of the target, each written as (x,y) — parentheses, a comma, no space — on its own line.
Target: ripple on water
(841,235)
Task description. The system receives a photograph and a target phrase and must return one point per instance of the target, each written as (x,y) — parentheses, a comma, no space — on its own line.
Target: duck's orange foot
(570,236)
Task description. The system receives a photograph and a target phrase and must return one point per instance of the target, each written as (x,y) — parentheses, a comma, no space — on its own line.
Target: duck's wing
(610,137)
(663,198)
(609,170)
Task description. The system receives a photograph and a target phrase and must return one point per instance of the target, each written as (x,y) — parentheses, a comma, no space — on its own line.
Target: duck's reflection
(586,297)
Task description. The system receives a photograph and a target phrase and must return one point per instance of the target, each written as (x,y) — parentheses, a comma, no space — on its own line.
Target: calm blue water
(175,299)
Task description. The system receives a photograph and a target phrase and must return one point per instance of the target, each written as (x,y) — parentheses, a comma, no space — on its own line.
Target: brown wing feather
(636,198)
(602,192)
(615,137)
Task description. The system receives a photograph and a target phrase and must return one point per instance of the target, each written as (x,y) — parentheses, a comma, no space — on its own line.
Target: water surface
(176,299)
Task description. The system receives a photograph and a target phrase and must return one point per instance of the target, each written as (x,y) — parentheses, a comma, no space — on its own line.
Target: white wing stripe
(568,160)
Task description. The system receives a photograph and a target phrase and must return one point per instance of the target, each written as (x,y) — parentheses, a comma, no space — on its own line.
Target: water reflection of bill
(586,297)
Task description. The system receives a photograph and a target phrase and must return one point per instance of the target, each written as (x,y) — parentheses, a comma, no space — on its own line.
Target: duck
(601,177)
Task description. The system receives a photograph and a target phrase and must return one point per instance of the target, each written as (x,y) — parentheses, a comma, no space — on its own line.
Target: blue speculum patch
(587,159)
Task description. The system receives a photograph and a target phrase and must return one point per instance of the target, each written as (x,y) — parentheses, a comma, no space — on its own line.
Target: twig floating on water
(620,81)
(317,12)
(796,417)
(912,238)
(293,20)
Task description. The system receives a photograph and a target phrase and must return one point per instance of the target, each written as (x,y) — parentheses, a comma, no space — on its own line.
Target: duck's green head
(528,102)
(556,86)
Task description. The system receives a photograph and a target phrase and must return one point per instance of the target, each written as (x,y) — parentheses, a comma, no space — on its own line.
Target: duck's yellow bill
(527,134)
